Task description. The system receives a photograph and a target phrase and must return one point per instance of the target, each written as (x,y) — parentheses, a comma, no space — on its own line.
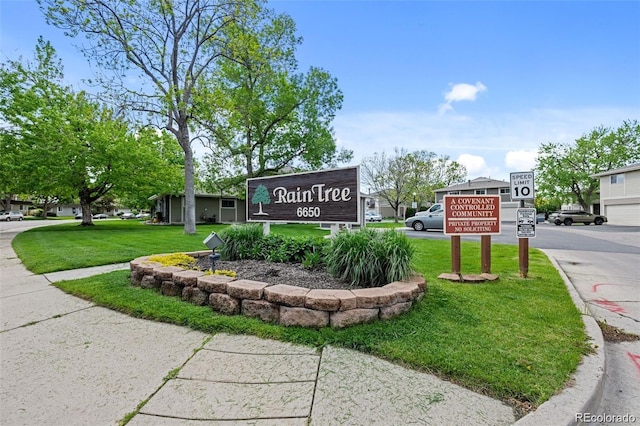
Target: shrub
(248,242)
(369,258)
(312,260)
(175,259)
(226,272)
(239,241)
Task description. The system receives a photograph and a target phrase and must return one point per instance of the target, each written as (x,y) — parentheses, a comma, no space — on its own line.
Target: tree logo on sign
(260,197)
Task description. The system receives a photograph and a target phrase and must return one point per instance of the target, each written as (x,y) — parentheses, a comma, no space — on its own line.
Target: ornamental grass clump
(370,258)
(239,241)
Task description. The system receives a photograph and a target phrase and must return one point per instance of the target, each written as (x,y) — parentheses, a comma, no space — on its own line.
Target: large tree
(63,145)
(260,113)
(427,172)
(171,44)
(563,171)
(396,178)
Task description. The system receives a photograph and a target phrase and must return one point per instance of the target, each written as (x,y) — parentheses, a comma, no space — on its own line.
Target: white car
(9,216)
(372,217)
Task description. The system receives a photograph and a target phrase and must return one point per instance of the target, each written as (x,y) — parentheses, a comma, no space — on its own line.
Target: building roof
(629,168)
(477,183)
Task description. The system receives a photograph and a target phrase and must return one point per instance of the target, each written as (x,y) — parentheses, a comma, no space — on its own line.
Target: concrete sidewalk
(67,361)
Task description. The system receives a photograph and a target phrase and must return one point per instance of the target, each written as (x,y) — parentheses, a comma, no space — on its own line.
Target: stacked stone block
(281,303)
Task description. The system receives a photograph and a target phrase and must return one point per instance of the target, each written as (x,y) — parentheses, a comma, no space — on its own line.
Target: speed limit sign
(522,186)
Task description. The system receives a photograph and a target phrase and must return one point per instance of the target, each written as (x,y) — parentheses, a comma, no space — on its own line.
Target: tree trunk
(45,207)
(189,184)
(87,219)
(85,204)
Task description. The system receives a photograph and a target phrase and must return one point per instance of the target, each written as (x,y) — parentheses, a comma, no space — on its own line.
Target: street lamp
(414,205)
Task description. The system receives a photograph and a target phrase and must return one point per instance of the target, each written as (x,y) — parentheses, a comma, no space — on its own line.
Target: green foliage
(406,176)
(370,258)
(225,272)
(564,171)
(239,241)
(248,242)
(312,260)
(170,47)
(174,259)
(262,112)
(66,146)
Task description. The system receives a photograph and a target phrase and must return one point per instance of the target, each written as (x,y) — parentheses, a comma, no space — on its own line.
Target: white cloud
(475,164)
(461,92)
(521,160)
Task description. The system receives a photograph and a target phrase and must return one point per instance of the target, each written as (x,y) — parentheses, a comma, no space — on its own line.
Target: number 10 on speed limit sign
(522,186)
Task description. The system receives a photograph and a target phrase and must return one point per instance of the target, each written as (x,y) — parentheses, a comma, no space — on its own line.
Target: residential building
(210,208)
(485,186)
(620,195)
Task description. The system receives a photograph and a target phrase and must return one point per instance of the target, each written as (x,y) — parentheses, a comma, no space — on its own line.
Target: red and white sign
(472,214)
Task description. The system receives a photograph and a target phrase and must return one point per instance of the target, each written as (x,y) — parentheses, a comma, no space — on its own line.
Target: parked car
(433,220)
(434,208)
(101,216)
(372,217)
(540,217)
(569,217)
(552,216)
(9,216)
(143,215)
(79,216)
(124,216)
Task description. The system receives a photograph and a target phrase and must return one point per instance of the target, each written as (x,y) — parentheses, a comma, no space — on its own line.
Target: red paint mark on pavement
(594,288)
(635,359)
(610,306)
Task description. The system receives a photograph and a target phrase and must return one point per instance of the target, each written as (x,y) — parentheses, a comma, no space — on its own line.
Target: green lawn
(385,225)
(70,246)
(515,339)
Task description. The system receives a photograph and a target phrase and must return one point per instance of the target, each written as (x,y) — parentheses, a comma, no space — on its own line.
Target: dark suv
(569,217)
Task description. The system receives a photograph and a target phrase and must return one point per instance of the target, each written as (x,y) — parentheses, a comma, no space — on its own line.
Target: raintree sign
(471,214)
(330,196)
(522,186)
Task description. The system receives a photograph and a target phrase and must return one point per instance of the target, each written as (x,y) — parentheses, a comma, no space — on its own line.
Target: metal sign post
(522,188)
(525,229)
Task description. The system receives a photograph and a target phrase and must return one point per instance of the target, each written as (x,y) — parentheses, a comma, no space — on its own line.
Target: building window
(480,191)
(59,209)
(228,204)
(505,191)
(453,192)
(617,178)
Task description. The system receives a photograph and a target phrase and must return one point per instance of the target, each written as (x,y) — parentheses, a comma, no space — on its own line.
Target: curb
(584,394)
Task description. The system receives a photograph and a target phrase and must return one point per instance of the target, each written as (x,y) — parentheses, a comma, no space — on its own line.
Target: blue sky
(484,82)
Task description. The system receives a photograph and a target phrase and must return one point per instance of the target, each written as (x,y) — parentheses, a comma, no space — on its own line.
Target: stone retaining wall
(280,303)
